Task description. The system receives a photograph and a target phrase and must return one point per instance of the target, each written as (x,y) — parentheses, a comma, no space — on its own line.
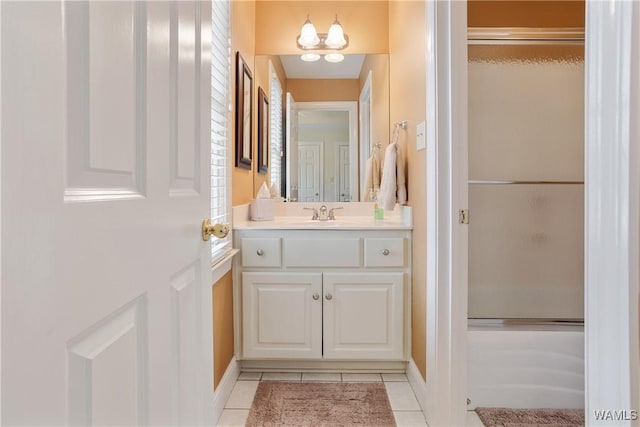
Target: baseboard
(224,389)
(418,385)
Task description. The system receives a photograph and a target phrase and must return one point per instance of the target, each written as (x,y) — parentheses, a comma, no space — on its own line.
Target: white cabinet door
(362,315)
(282,315)
(106,301)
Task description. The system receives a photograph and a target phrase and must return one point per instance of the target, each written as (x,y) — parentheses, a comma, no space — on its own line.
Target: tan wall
(379,67)
(242,40)
(222,326)
(481,13)
(408,102)
(278,24)
(328,90)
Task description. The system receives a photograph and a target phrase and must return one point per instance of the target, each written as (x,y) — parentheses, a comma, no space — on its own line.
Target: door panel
(102,315)
(106,108)
(363,315)
(309,172)
(281,316)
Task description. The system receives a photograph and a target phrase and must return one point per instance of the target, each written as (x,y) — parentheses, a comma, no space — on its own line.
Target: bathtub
(525,365)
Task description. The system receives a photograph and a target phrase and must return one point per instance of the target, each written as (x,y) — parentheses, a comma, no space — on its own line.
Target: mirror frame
(244,109)
(263,132)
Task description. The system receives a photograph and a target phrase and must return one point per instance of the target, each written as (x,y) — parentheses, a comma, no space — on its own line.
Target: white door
(282,315)
(106,305)
(291,141)
(310,172)
(363,316)
(344,194)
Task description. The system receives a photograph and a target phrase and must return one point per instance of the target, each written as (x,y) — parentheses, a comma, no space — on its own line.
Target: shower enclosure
(526,198)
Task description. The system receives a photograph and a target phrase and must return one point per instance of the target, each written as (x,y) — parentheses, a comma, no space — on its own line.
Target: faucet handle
(331,215)
(315,213)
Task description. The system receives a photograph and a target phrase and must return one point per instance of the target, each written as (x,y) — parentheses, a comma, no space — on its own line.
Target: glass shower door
(526,107)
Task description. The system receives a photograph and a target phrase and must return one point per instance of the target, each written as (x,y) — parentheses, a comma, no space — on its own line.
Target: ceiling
(296,68)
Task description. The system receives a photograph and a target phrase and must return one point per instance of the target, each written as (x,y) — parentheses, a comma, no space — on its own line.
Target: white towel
(372,175)
(392,186)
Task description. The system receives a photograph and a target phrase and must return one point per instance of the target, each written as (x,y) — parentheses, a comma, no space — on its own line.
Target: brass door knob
(218,230)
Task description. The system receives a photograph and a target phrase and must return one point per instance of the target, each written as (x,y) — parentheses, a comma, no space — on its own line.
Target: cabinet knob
(328,296)
(316,296)
(260,252)
(385,252)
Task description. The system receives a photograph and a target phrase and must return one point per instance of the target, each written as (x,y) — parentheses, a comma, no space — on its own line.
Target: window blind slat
(275,107)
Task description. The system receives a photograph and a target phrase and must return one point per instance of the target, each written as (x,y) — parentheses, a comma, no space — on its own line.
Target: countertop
(354,216)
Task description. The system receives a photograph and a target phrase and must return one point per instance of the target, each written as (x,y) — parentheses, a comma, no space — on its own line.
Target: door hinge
(463,216)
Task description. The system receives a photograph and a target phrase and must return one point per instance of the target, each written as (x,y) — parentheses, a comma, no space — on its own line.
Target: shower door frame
(612,241)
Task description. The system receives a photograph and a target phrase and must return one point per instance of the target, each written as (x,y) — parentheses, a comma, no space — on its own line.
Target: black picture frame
(263,132)
(244,113)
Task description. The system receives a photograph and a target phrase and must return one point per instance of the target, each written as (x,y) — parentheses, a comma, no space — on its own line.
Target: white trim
(446,25)
(221,267)
(611,208)
(366,97)
(418,385)
(352,108)
(224,389)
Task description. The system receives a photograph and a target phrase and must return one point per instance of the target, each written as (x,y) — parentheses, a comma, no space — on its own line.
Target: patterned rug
(320,405)
(505,417)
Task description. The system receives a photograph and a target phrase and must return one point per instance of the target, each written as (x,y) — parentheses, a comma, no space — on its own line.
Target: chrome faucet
(323,213)
(331,215)
(314,216)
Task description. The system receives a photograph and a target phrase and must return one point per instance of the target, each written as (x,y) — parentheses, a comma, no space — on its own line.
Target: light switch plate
(421,137)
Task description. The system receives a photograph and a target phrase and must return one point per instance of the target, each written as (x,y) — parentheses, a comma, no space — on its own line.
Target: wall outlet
(421,136)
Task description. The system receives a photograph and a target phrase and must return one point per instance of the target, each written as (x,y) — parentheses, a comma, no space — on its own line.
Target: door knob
(385,252)
(316,296)
(328,296)
(218,230)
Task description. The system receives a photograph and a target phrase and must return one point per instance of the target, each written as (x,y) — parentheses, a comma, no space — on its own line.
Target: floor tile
(242,395)
(233,418)
(394,377)
(409,418)
(281,376)
(326,377)
(362,378)
(401,396)
(473,420)
(250,376)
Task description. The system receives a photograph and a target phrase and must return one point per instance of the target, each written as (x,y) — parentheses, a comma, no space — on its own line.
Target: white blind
(220,110)
(275,107)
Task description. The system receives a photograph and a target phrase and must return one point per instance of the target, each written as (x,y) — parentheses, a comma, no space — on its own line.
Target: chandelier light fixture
(310,39)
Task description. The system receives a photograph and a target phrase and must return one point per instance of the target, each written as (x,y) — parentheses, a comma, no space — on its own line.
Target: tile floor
(403,402)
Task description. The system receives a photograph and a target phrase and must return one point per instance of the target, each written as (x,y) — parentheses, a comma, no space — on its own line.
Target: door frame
(364,103)
(612,213)
(352,108)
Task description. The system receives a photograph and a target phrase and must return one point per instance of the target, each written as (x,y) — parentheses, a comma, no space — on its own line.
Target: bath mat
(320,405)
(506,417)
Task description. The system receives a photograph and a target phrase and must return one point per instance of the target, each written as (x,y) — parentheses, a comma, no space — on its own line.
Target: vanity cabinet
(323,294)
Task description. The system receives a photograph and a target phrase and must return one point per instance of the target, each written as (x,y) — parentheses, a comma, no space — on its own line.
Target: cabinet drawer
(384,252)
(261,252)
(322,252)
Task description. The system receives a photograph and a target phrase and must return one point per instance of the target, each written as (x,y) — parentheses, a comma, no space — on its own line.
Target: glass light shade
(308,35)
(335,37)
(334,57)
(310,57)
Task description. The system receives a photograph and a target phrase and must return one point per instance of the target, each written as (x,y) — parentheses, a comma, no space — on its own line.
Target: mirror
(333,114)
